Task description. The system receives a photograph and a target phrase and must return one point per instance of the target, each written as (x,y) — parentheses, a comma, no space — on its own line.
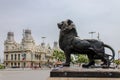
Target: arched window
(39,57)
(24,64)
(18,56)
(25,56)
(6,57)
(15,56)
(15,64)
(6,64)
(11,56)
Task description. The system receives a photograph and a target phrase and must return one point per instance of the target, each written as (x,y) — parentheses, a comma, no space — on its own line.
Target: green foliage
(117,62)
(81,58)
(1,66)
(77,58)
(59,55)
(72,59)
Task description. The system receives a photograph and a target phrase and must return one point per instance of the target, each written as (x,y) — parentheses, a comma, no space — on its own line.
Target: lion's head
(66,25)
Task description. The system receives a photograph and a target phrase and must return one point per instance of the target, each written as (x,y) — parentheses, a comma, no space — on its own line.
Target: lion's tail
(113,52)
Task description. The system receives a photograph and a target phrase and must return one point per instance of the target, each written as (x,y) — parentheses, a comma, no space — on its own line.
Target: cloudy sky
(41,16)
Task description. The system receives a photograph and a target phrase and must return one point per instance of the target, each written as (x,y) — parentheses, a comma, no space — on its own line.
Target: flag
(23,56)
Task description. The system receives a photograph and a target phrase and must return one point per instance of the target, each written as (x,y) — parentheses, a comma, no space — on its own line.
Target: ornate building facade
(26,53)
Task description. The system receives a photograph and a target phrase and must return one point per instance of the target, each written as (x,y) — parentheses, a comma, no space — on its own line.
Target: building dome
(10,34)
(27,31)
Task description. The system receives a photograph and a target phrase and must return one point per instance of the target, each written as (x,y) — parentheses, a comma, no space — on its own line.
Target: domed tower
(27,41)
(9,43)
(43,44)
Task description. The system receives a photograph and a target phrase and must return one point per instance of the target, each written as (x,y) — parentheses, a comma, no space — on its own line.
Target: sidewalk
(26,74)
(23,69)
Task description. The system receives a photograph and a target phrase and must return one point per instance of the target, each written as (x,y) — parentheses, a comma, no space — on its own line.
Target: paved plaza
(26,74)
(43,74)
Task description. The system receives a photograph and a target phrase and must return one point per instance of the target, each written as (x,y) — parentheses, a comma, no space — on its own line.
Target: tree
(2,66)
(117,62)
(59,55)
(81,58)
(78,58)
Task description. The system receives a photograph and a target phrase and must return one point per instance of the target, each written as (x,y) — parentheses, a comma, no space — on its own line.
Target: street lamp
(92,34)
(119,55)
(98,37)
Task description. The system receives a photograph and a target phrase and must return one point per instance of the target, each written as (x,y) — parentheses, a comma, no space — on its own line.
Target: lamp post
(43,45)
(31,59)
(119,55)
(98,37)
(92,34)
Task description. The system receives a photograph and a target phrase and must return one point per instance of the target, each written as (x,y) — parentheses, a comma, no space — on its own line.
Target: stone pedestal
(77,73)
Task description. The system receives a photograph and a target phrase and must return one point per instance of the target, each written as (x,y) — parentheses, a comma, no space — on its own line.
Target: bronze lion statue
(70,43)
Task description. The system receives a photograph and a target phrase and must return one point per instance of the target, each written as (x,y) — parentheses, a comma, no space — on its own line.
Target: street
(27,74)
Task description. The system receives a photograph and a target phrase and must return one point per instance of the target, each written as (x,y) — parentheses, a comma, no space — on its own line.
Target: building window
(39,57)
(35,56)
(15,56)
(14,64)
(18,56)
(11,56)
(6,64)
(25,56)
(6,57)
(24,64)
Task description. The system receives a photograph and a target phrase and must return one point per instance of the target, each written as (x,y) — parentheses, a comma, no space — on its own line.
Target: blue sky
(42,16)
